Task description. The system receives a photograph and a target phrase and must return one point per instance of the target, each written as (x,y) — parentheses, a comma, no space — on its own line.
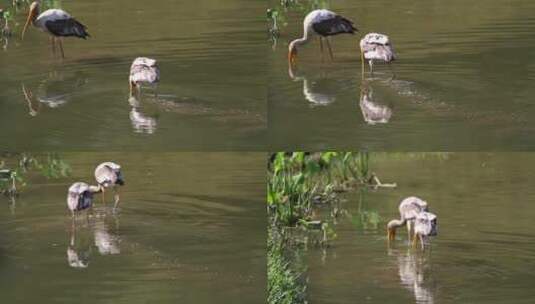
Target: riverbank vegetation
(16,167)
(299,183)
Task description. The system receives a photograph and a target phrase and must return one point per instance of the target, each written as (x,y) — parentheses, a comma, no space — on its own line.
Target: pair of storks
(325,23)
(322,22)
(414,213)
(80,194)
(58,24)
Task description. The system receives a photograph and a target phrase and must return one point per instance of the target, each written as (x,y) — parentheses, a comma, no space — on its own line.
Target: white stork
(425,226)
(80,196)
(55,22)
(323,23)
(143,71)
(109,175)
(409,208)
(376,46)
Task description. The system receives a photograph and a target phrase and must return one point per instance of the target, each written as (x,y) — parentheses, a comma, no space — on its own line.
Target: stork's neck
(394,224)
(303,40)
(300,41)
(95,189)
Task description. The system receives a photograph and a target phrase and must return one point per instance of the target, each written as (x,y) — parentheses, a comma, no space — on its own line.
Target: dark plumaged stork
(323,23)
(55,22)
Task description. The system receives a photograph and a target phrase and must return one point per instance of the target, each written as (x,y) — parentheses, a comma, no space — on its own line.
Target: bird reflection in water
(103,226)
(78,252)
(314,91)
(106,240)
(53,91)
(141,123)
(372,112)
(415,273)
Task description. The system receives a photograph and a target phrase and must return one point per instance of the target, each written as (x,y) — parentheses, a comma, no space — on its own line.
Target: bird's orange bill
(391,234)
(292,57)
(31,16)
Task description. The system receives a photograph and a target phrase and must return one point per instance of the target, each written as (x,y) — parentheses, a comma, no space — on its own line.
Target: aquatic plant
(298,178)
(289,190)
(15,168)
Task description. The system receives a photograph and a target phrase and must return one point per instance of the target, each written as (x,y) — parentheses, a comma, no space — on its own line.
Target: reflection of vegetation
(276,15)
(15,168)
(285,282)
(365,219)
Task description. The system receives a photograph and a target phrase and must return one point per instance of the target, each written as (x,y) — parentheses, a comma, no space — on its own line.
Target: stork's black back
(334,26)
(67,28)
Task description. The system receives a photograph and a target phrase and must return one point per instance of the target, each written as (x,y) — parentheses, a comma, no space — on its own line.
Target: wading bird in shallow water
(108,175)
(409,208)
(323,23)
(144,71)
(55,22)
(424,227)
(80,196)
(376,46)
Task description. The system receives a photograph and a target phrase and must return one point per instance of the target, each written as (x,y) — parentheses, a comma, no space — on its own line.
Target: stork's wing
(105,175)
(334,26)
(144,73)
(67,27)
(381,52)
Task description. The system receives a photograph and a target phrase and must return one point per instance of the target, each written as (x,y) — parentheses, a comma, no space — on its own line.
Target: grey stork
(324,24)
(57,23)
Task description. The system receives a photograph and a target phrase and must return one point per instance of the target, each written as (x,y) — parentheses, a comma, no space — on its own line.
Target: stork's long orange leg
(330,49)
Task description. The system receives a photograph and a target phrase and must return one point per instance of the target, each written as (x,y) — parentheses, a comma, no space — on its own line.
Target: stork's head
(32,15)
(292,53)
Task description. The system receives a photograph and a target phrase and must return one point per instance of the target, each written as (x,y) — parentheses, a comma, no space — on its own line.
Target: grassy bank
(297,183)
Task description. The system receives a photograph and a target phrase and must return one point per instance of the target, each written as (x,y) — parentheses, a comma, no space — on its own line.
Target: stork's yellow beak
(292,56)
(31,16)
(391,234)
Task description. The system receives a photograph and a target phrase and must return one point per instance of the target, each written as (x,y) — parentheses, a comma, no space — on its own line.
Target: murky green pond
(463,80)
(484,251)
(190,229)
(211,95)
